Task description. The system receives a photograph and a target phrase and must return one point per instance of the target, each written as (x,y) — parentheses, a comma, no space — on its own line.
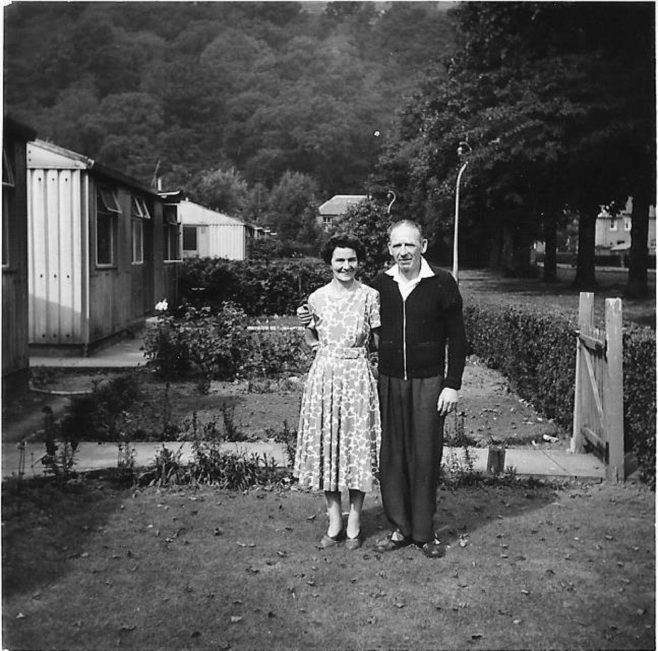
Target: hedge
(258,287)
(537,353)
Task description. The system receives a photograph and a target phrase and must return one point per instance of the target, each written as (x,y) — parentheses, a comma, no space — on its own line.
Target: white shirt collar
(425,272)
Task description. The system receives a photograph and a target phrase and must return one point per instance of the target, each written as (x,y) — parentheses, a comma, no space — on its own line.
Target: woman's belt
(343,353)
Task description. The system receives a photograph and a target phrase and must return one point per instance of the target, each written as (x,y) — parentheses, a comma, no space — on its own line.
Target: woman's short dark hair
(342,241)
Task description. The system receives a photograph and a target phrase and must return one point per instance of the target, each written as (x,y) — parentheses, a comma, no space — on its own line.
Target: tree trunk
(550,248)
(585,277)
(637,285)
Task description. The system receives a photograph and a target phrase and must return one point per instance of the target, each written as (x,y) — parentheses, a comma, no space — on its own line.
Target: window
(8,199)
(327,221)
(190,239)
(138,241)
(171,233)
(139,212)
(627,223)
(107,209)
(140,209)
(613,224)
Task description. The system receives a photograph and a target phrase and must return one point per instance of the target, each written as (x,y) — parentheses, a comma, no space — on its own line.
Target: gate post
(613,392)
(585,321)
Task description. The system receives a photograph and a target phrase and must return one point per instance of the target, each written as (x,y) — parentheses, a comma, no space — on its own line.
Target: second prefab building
(207,233)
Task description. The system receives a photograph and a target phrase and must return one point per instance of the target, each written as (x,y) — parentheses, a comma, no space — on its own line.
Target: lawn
(529,566)
(559,297)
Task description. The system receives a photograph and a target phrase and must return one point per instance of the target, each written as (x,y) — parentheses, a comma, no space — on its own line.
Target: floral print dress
(339,425)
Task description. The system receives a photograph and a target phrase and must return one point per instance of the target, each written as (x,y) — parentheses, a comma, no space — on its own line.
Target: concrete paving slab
(94,456)
(538,462)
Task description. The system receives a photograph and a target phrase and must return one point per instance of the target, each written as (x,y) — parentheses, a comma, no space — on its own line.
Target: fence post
(585,321)
(613,397)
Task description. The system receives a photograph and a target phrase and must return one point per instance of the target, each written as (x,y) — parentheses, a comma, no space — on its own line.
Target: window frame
(108,211)
(8,203)
(171,229)
(189,229)
(139,208)
(137,253)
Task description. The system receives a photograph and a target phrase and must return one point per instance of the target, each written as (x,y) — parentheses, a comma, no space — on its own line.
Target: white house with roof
(208,233)
(613,231)
(336,207)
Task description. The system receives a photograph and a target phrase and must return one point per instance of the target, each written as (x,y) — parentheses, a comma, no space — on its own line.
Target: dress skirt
(340,425)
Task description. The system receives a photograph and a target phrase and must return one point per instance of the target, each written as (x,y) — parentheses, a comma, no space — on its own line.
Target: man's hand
(304,315)
(447,401)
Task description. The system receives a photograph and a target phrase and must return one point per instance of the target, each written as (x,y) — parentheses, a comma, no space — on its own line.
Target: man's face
(406,247)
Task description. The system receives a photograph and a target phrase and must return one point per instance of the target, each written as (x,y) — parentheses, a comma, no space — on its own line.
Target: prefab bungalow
(103,249)
(208,233)
(15,356)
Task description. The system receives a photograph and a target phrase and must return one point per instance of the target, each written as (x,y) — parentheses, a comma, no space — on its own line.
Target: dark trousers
(411,449)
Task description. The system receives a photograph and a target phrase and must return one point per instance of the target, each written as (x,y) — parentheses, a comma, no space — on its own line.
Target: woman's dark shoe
(330,541)
(392,542)
(353,543)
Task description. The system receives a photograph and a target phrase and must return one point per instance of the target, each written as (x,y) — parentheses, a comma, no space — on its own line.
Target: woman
(339,425)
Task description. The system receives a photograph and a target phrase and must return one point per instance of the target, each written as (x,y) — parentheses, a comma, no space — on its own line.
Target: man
(421,311)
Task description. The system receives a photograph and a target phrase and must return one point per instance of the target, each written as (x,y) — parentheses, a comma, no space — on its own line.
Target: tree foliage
(557,101)
(267,88)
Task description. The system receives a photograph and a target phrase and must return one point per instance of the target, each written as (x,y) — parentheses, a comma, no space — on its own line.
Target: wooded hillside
(240,93)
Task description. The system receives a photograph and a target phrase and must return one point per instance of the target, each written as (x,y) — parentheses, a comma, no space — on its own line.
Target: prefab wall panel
(57,256)
(227,241)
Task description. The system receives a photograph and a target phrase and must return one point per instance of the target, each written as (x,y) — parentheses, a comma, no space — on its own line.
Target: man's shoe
(392,542)
(434,549)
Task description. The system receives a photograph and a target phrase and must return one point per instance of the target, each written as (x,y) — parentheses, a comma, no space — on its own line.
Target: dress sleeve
(372,308)
(314,305)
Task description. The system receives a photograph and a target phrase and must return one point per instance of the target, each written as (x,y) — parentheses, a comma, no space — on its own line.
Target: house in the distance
(103,250)
(208,233)
(613,231)
(336,207)
(15,351)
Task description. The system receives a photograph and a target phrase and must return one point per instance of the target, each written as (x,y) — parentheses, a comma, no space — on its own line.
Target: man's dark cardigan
(431,315)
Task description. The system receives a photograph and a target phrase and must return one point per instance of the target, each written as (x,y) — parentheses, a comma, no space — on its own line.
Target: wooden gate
(598,418)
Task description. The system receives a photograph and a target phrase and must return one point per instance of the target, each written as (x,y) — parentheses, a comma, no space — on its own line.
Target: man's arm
(456,335)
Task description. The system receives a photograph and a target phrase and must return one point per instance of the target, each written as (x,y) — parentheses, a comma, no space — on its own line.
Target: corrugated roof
(339,203)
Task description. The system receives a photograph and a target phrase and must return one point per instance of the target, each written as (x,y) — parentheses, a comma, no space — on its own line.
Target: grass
(559,297)
(98,565)
(530,565)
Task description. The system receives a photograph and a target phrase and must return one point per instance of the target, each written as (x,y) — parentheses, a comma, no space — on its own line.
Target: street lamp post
(463,150)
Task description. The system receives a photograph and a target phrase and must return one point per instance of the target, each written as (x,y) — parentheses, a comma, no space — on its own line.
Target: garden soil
(489,409)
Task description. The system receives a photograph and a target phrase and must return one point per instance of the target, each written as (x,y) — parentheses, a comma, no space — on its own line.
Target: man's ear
(423,246)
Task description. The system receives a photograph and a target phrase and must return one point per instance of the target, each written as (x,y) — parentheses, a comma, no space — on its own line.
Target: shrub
(101,415)
(536,352)
(214,344)
(257,287)
(220,346)
(640,399)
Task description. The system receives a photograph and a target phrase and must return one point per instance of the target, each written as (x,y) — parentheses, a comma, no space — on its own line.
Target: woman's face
(344,264)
